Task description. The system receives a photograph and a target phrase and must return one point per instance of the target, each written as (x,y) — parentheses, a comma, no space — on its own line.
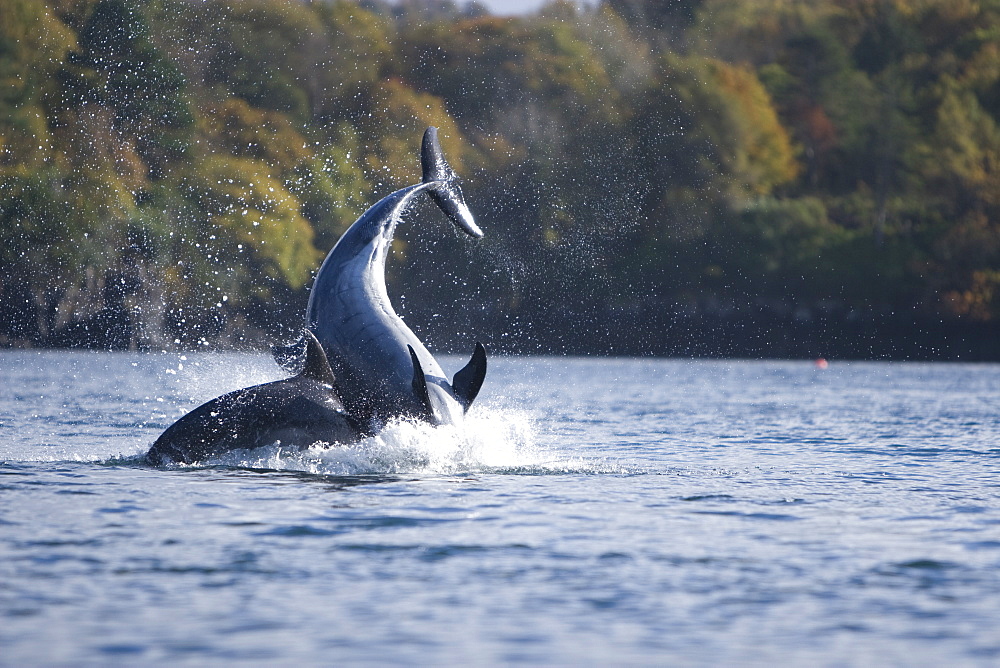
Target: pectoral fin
(469,380)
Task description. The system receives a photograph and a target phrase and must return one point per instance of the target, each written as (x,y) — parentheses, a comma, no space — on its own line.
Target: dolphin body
(382,369)
(363,365)
(302,410)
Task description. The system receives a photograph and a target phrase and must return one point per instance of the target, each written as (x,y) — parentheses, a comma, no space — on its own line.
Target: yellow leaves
(90,143)
(983,69)
(942,11)
(291,22)
(967,144)
(25,139)
(556,57)
(747,31)
(360,39)
(968,249)
(400,116)
(791,233)
(726,126)
(980,301)
(558,223)
(99,170)
(255,209)
(767,148)
(491,63)
(33,44)
(331,185)
(256,133)
(496,152)
(31,37)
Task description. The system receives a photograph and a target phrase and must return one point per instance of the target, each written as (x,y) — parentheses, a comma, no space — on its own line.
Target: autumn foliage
(173,171)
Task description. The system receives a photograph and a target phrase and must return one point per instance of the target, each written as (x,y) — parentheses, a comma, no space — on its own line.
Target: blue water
(591,512)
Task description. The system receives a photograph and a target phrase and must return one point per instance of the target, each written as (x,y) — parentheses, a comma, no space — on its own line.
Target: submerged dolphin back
(300,410)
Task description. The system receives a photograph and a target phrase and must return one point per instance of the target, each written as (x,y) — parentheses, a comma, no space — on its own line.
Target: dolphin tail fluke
(447,192)
(469,380)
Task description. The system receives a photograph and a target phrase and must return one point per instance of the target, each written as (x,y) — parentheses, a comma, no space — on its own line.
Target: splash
(487,440)
(495,437)
(198,377)
(491,440)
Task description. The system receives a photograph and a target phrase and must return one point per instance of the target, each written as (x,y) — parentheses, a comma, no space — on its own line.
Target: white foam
(488,439)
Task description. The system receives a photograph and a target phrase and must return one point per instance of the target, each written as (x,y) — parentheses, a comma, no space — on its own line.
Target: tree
(119,68)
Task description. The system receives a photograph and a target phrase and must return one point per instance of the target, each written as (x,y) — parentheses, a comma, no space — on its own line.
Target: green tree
(32,44)
(248,211)
(119,68)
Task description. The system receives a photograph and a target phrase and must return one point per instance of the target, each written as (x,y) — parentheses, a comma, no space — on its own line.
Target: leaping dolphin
(383,370)
(302,410)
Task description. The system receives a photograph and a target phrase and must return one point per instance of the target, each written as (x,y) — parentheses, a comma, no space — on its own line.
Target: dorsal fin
(420,383)
(317,366)
(469,380)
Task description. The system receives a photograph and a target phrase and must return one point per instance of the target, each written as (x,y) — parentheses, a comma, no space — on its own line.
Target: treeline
(782,177)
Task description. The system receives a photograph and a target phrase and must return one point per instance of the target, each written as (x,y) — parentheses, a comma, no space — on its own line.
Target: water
(591,512)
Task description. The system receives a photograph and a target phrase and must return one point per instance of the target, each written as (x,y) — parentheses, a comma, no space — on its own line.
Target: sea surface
(589,512)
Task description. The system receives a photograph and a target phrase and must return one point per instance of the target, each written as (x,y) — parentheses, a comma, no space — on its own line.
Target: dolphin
(382,369)
(302,410)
